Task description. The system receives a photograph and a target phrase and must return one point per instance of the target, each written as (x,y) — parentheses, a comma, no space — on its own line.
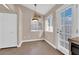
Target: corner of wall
(50,44)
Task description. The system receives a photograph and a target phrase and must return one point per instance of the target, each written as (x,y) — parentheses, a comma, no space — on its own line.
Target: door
(64,31)
(8,30)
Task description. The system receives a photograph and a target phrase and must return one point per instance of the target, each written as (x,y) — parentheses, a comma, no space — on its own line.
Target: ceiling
(40,8)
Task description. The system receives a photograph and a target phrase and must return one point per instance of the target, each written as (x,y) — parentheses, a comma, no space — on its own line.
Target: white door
(64,31)
(8,30)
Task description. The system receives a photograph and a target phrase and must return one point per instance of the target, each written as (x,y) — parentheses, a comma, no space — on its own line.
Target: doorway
(64,29)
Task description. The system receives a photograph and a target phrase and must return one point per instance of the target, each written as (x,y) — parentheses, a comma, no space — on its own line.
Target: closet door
(9,30)
(1,17)
(12,29)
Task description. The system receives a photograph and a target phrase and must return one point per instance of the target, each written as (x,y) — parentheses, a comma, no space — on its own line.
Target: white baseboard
(50,43)
(19,44)
(31,40)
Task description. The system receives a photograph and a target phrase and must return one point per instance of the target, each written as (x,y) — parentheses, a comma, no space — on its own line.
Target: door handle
(60,31)
(57,32)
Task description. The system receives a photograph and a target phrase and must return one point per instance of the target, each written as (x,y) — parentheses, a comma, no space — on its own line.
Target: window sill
(36,30)
(49,31)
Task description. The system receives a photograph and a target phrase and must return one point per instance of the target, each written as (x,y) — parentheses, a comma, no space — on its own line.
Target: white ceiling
(41,8)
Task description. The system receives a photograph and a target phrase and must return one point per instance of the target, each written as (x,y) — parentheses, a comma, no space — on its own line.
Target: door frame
(73,17)
(20,30)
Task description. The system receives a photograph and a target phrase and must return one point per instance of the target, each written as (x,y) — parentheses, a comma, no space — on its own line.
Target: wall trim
(30,40)
(50,43)
(36,40)
(19,45)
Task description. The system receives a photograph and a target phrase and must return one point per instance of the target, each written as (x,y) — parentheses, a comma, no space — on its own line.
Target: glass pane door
(68,26)
(65,17)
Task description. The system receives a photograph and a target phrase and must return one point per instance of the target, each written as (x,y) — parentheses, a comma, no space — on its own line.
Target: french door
(64,31)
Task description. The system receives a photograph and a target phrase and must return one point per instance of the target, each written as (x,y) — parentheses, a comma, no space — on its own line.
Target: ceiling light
(35,17)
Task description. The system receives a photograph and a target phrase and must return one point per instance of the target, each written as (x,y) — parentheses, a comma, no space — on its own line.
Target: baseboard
(19,44)
(31,40)
(50,43)
(36,40)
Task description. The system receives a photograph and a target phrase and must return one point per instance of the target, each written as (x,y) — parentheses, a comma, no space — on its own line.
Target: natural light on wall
(49,24)
(6,6)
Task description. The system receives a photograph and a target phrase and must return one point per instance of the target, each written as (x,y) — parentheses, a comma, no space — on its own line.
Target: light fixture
(35,17)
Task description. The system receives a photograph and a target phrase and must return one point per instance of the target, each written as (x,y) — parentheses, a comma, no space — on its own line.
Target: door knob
(57,32)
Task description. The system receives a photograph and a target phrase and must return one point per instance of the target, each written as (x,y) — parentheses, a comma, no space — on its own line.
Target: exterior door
(64,31)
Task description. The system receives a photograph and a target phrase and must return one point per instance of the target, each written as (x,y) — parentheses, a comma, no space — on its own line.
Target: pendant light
(35,17)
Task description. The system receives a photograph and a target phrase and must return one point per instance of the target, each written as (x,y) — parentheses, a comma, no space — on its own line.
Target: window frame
(37,29)
(49,23)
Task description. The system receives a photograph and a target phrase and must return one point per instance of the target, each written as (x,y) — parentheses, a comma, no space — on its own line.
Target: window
(48,24)
(36,25)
